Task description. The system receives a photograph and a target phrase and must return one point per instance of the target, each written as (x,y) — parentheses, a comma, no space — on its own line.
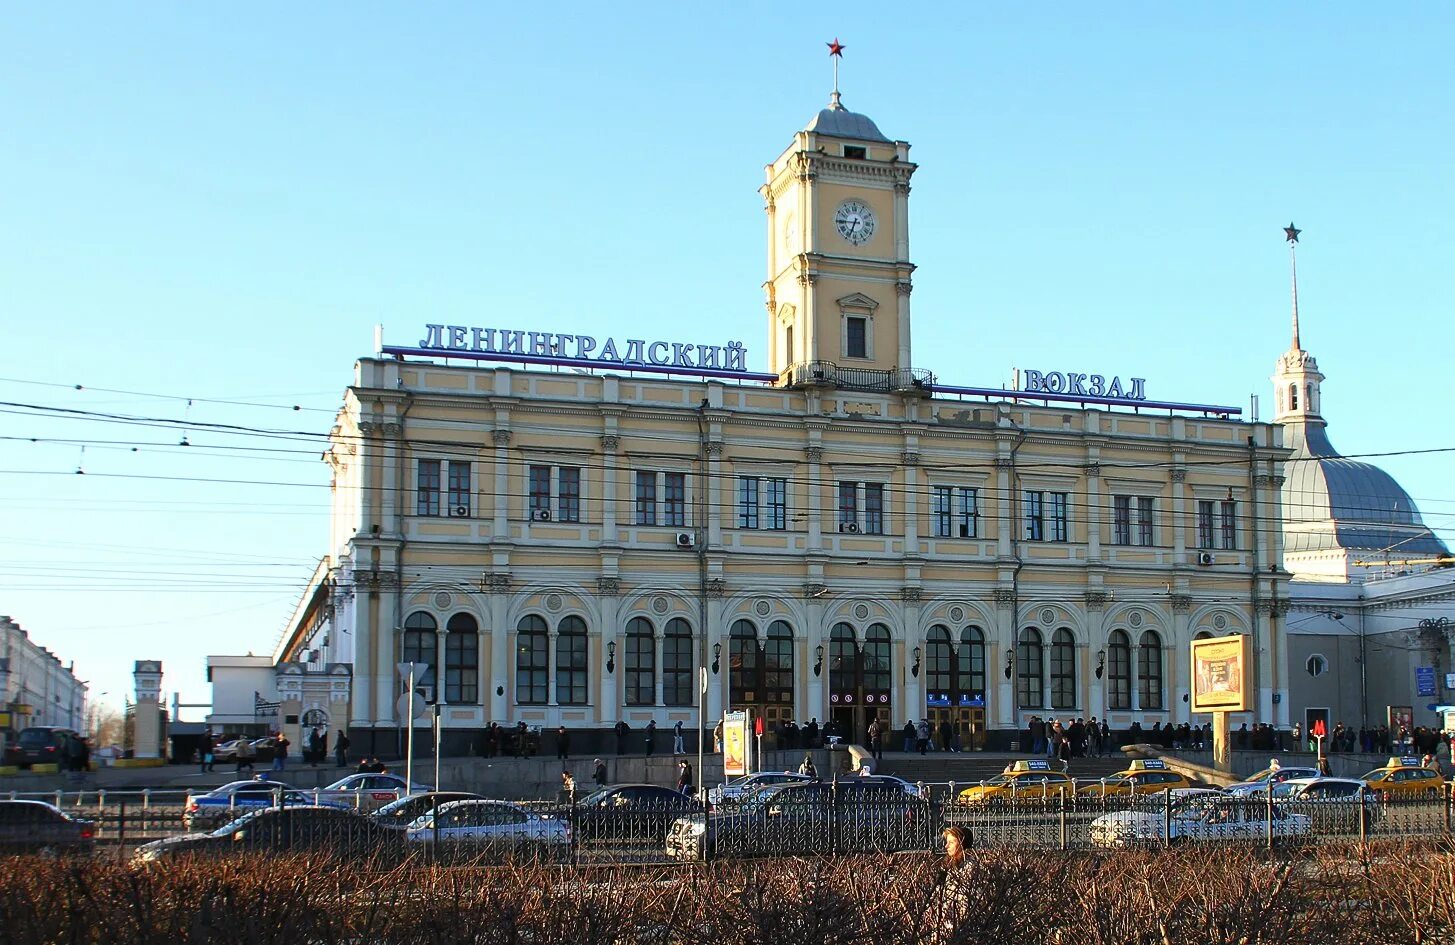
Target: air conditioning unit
(1206,558)
(460,511)
(540,515)
(850,527)
(685,540)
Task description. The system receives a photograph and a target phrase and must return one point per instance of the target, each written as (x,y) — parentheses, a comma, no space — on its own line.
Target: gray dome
(837,121)
(1330,502)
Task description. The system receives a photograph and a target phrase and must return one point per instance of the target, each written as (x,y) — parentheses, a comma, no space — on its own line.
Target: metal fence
(825,819)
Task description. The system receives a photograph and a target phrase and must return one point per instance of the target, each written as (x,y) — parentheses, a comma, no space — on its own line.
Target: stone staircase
(973,767)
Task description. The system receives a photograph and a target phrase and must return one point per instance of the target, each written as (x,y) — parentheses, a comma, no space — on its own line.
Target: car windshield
(1378,774)
(232,825)
(1287,789)
(36,738)
(998,780)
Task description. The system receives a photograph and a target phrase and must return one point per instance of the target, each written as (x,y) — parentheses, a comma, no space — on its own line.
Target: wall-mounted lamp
(818,659)
(1184,697)
(1100,663)
(716,656)
(914,670)
(500,690)
(611,657)
(1009,661)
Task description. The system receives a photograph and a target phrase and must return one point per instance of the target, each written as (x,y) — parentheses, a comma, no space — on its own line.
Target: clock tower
(838,253)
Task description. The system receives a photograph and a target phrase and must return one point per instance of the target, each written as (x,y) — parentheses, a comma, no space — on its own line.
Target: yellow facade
(885,549)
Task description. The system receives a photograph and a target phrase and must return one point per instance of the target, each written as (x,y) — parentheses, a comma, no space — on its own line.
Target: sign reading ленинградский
(1082,385)
(732,356)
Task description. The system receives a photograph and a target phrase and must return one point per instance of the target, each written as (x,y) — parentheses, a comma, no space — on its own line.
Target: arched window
(743,660)
(1031,679)
(843,659)
(1119,671)
(778,658)
(462,661)
(1293,396)
(970,668)
(571,674)
(531,653)
(1063,669)
(938,660)
(418,646)
(677,663)
(877,658)
(1149,670)
(641,662)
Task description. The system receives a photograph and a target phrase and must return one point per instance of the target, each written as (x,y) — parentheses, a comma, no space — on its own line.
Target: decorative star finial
(836,48)
(1290,232)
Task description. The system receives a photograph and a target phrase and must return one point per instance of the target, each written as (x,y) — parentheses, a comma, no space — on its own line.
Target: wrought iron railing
(830,374)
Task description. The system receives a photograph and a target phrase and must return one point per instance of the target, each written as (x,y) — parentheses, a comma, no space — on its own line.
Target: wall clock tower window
(856,334)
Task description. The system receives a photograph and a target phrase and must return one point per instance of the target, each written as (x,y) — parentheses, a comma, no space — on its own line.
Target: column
(814,454)
(902,289)
(714,472)
(716,684)
(1093,503)
(1178,672)
(1007,509)
(1096,616)
(551,667)
(913,702)
(500,663)
(610,443)
(367,627)
(817,700)
(441,647)
(501,438)
(1006,713)
(386,627)
(607,601)
(910,458)
(1178,477)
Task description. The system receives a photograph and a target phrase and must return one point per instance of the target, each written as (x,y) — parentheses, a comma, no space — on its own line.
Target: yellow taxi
(1141,777)
(1020,782)
(1405,777)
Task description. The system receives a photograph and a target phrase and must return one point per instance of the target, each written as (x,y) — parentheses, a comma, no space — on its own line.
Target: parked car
(1197,815)
(30,826)
(1022,782)
(398,815)
(1333,805)
(478,827)
(732,791)
(1271,777)
(39,745)
(630,812)
(1143,776)
(284,830)
(1404,778)
(221,805)
(367,792)
(856,815)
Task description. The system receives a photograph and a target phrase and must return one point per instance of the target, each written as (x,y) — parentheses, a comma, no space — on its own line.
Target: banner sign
(735,744)
(1081,385)
(1425,681)
(732,356)
(1220,674)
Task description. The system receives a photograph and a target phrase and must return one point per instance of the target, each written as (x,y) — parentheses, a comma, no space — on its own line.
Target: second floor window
(428,495)
(555,493)
(762,502)
(661,498)
(1045,515)
(443,488)
(1217,524)
(861,507)
(1132,520)
(646,498)
(955,512)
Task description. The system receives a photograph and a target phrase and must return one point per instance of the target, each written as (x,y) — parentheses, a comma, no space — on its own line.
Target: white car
(1197,814)
(490,823)
(1260,782)
(366,792)
(730,792)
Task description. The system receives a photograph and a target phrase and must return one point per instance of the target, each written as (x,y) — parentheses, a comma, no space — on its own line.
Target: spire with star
(836,52)
(1290,234)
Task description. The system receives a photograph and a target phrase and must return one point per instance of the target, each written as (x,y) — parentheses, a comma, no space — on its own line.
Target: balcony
(912,381)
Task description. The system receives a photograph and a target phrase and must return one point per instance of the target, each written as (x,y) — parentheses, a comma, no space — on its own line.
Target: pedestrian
(651,736)
(876,742)
(563,743)
(621,730)
(204,752)
(280,752)
(807,767)
(947,735)
(678,745)
(909,736)
(1324,769)
(684,777)
(316,751)
(598,772)
(1274,765)
(492,740)
(922,736)
(341,749)
(568,787)
(243,755)
(717,738)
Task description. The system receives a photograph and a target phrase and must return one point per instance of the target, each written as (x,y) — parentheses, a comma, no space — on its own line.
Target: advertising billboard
(1222,674)
(735,744)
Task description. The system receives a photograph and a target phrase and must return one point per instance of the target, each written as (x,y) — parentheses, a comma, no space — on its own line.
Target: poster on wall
(735,744)
(1220,674)
(1401,718)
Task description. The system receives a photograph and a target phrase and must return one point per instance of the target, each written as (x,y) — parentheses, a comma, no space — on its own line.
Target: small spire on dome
(836,52)
(1290,233)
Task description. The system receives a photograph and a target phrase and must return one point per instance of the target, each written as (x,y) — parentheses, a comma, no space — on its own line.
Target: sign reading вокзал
(1221,674)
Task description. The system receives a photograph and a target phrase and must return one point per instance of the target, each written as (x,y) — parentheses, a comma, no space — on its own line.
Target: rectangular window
(955,510)
(848,505)
(940,511)
(1121,520)
(855,152)
(540,491)
(1033,510)
(747,502)
(874,508)
(1056,509)
(1230,524)
(459,488)
(568,493)
(1144,520)
(674,498)
(857,336)
(1205,523)
(646,498)
(777,510)
(969,513)
(428,495)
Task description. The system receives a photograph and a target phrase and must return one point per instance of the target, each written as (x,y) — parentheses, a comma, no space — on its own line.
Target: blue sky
(220,204)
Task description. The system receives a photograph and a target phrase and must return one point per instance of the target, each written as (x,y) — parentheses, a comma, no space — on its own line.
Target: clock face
(790,231)
(855,222)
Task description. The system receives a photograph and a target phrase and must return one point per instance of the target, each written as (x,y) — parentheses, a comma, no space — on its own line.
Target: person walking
(244,755)
(598,772)
(621,730)
(876,740)
(922,736)
(651,736)
(341,749)
(563,743)
(677,742)
(684,777)
(204,753)
(280,752)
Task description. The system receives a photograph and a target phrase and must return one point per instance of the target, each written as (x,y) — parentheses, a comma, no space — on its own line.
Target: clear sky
(218,204)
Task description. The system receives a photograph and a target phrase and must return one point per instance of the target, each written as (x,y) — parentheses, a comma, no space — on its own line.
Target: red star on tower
(836,48)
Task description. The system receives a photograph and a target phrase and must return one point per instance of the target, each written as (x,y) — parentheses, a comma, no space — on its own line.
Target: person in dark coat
(598,772)
(563,743)
(651,736)
(341,749)
(204,752)
(684,777)
(621,730)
